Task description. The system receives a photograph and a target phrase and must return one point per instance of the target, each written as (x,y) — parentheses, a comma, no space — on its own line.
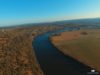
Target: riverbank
(82,45)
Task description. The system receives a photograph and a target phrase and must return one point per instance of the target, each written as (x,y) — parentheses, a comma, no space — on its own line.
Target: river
(52,61)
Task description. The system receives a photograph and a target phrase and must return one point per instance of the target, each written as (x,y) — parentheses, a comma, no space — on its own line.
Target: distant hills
(89,21)
(80,21)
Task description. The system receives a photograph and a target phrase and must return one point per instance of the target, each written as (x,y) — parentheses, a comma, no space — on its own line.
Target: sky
(13,12)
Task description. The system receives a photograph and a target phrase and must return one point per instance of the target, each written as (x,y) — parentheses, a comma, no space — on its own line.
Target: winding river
(52,61)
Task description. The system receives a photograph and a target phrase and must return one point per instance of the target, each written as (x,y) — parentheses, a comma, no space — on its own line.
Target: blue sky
(31,11)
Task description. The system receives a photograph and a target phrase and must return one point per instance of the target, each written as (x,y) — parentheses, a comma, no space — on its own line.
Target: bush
(84,33)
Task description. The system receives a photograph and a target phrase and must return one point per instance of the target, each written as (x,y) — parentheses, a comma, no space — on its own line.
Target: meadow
(82,45)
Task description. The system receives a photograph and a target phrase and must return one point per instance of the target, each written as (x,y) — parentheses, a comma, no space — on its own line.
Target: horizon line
(19,24)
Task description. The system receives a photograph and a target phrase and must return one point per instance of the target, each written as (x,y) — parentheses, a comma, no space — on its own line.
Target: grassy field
(83,45)
(17,56)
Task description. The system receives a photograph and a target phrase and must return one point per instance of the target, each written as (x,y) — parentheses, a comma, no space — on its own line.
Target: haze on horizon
(14,12)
